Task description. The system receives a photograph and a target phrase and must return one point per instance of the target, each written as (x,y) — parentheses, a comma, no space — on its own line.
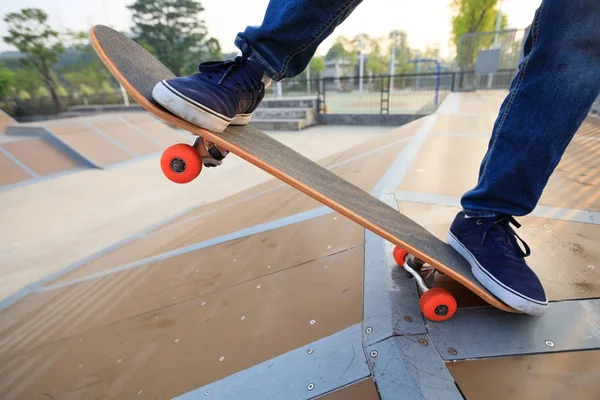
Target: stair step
(295,102)
(279,124)
(284,113)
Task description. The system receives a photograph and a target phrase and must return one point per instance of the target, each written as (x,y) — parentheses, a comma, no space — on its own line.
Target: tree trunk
(51,84)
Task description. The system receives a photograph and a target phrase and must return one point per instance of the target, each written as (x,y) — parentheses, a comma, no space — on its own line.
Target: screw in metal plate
(221,359)
(423,342)
(549,343)
(452,351)
(312,321)
(374,353)
(207,392)
(310,386)
(369,330)
(408,319)
(310,351)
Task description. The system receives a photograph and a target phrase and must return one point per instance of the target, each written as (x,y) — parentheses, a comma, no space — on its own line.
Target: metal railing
(378,94)
(43,106)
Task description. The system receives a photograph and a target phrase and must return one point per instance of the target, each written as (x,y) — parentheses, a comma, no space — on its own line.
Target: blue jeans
(550,96)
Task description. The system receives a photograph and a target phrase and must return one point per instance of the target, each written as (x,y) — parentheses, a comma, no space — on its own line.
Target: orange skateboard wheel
(438,304)
(181,163)
(399,255)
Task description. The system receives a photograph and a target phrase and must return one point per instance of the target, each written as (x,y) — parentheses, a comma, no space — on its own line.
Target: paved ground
(59,221)
(258,291)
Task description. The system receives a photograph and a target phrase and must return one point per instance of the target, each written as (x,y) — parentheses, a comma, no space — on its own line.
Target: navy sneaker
(222,93)
(498,262)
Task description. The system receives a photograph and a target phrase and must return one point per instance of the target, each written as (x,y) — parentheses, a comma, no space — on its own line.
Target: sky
(427,22)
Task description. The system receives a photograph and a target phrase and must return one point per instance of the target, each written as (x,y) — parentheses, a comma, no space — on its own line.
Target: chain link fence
(488,60)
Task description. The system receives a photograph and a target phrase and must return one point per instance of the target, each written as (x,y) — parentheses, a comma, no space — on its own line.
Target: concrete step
(284,113)
(292,102)
(279,124)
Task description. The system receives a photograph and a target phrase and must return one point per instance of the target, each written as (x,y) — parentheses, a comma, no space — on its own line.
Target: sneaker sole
(194,112)
(497,288)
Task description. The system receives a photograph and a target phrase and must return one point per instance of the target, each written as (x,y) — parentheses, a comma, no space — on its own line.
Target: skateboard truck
(437,304)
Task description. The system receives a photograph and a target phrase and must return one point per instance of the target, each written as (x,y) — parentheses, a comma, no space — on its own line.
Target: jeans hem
(245,47)
(481,214)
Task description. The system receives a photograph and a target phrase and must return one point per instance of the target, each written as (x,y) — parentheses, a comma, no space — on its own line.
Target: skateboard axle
(413,265)
(178,165)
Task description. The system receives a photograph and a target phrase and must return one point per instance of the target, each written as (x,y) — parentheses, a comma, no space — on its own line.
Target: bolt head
(549,343)
(369,330)
(423,342)
(310,386)
(374,353)
(310,351)
(408,319)
(452,351)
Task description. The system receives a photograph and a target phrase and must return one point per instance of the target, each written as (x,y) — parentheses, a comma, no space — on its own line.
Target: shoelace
(234,73)
(505,235)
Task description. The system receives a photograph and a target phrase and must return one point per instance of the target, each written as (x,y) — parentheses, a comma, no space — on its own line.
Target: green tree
(337,51)
(317,65)
(174,32)
(474,16)
(7,82)
(30,33)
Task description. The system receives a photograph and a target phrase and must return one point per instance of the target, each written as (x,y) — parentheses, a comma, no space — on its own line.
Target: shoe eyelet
(479,222)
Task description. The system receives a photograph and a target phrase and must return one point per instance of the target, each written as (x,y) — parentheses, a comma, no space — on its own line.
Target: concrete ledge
(35,131)
(368,119)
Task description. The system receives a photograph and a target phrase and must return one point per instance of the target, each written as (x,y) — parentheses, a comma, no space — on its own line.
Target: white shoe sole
(497,288)
(194,112)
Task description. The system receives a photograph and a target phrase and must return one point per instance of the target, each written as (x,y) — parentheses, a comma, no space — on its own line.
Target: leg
(291,32)
(549,98)
(228,93)
(551,95)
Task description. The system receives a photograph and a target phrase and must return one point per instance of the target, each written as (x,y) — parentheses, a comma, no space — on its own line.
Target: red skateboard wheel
(438,304)
(399,255)
(181,163)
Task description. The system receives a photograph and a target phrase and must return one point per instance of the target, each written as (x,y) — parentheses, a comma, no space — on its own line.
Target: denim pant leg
(552,93)
(291,32)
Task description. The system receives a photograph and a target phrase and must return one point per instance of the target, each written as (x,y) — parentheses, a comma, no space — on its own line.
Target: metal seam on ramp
(109,138)
(332,362)
(396,172)
(318,212)
(143,132)
(556,213)
(569,325)
(18,162)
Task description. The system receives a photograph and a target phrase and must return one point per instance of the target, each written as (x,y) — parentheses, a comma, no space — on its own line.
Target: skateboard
(138,71)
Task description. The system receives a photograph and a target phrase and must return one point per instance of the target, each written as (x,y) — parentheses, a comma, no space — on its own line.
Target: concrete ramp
(32,151)
(268,295)
(6,121)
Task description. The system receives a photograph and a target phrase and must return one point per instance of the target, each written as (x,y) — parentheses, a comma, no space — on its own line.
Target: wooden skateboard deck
(138,71)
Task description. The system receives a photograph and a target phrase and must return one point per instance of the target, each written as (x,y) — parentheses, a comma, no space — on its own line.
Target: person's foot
(222,93)
(497,261)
